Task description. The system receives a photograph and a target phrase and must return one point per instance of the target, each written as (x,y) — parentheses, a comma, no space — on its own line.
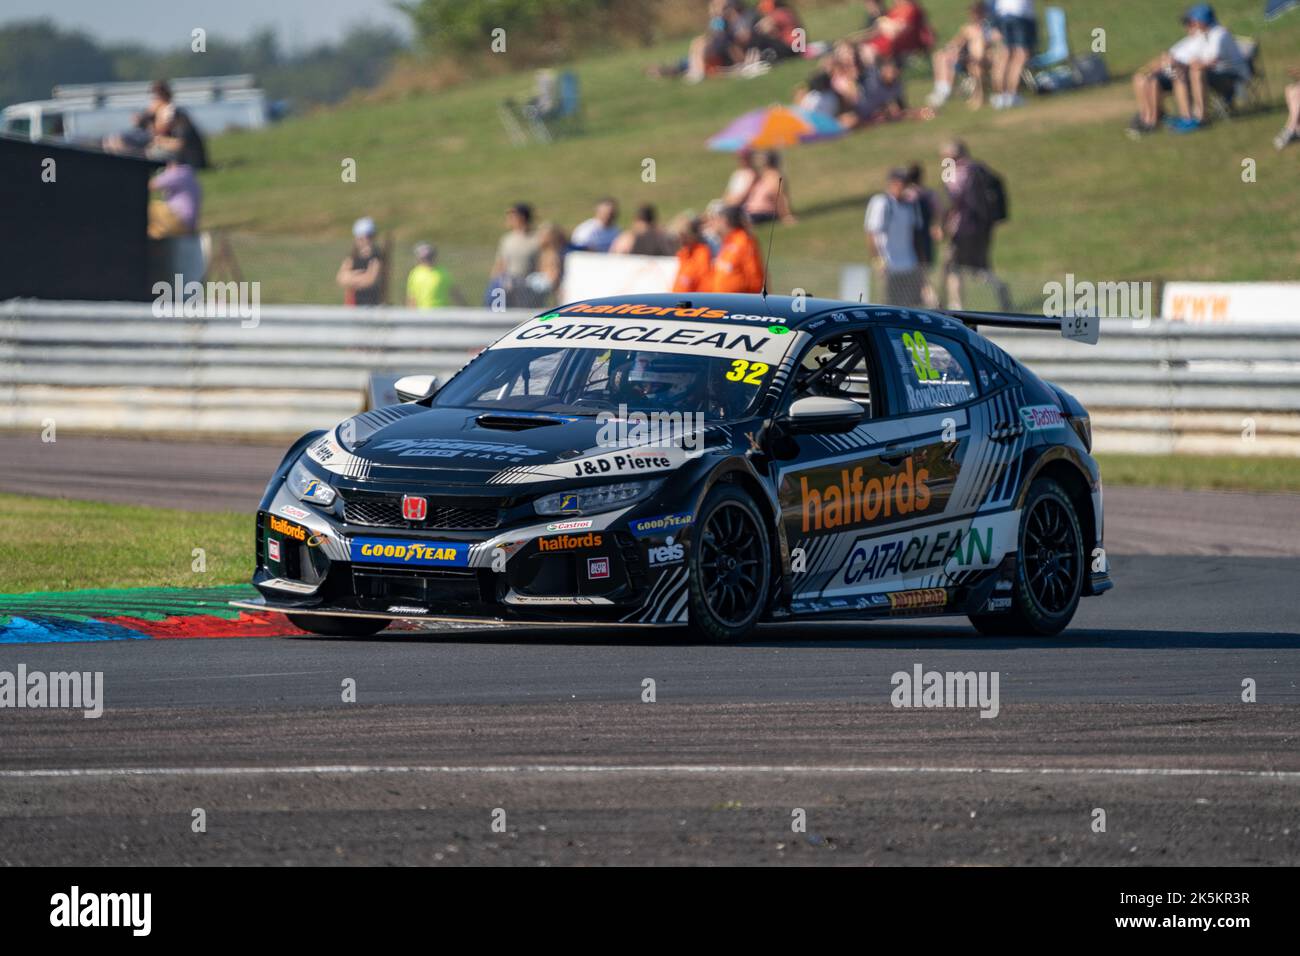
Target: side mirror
(412,388)
(821,414)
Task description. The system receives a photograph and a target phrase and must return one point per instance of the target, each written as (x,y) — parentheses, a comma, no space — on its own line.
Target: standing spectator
(968,49)
(770,197)
(645,238)
(177,213)
(1018,27)
(544,283)
(598,233)
(163,132)
(694,258)
(739,264)
(713,225)
(360,274)
(742,179)
(428,286)
(977,203)
(1291,129)
(890,225)
(925,206)
(516,257)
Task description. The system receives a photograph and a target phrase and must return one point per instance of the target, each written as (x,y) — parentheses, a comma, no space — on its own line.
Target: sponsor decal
(570,542)
(1039,417)
(569,503)
(853,501)
(273,549)
(621,464)
(575,525)
(390,551)
(597,568)
(924,599)
(679,312)
(406,609)
(871,561)
(998,603)
(709,339)
(290,511)
(414,508)
(457,448)
(670,552)
(287,528)
(642,527)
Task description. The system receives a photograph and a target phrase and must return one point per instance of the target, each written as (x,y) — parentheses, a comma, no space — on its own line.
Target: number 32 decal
(751,373)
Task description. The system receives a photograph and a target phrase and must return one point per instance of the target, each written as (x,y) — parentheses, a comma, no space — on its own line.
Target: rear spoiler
(1081,328)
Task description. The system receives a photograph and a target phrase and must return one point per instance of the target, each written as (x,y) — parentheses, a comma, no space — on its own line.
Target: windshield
(563,380)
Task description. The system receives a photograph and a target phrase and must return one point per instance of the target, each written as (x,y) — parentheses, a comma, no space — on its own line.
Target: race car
(708,461)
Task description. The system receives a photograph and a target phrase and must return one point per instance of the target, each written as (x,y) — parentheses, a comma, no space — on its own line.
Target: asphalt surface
(1136,711)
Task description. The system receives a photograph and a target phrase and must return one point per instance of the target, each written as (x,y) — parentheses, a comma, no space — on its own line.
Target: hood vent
(515,423)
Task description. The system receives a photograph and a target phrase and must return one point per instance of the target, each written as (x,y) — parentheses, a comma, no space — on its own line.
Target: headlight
(593,500)
(308,487)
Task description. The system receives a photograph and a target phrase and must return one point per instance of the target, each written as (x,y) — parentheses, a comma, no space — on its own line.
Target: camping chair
(1249,94)
(1058,41)
(555,109)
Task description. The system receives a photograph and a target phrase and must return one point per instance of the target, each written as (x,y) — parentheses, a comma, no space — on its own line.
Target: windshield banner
(709,339)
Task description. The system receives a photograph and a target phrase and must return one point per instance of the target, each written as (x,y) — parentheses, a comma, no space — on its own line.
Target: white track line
(687,769)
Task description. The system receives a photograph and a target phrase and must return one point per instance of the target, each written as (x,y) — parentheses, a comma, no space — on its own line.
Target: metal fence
(1166,387)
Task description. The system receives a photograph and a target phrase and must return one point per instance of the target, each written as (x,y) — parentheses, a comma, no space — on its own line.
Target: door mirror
(822,414)
(412,388)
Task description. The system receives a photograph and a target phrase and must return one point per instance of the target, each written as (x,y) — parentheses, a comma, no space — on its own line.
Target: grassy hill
(1084,198)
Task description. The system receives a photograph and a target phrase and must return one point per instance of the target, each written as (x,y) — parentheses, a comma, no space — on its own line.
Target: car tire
(730,571)
(338,626)
(1049,571)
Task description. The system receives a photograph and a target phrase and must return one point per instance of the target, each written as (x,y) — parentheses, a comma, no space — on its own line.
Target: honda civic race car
(711,461)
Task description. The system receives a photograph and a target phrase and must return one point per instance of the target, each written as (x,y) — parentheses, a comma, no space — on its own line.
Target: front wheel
(730,570)
(1049,573)
(338,626)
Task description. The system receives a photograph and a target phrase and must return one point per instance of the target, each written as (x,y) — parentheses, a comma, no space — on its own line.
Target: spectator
(890,225)
(778,34)
(598,233)
(895,33)
(428,286)
(360,274)
(967,50)
(881,96)
(163,132)
(177,213)
(742,180)
(544,283)
(1291,129)
(1207,54)
(819,97)
(1017,27)
(516,257)
(925,206)
(968,223)
(694,258)
(770,197)
(739,265)
(645,238)
(714,225)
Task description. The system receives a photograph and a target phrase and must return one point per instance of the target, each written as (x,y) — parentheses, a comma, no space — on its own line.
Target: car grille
(385,511)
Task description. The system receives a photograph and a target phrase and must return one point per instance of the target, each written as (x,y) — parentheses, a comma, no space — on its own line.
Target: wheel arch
(740,473)
(1071,473)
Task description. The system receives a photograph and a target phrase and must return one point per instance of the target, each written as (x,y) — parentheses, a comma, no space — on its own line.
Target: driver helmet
(667,380)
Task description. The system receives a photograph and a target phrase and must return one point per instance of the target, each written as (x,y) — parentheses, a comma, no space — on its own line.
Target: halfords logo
(288,529)
(854,501)
(630,309)
(376,550)
(569,542)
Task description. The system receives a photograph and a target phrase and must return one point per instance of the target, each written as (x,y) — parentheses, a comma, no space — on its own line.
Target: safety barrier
(1153,387)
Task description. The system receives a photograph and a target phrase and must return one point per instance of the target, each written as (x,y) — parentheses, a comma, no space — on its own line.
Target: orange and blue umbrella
(776,127)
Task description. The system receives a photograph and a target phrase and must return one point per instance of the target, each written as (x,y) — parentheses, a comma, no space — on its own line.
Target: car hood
(460,445)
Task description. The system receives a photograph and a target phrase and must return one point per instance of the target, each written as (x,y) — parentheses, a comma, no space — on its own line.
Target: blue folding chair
(1058,41)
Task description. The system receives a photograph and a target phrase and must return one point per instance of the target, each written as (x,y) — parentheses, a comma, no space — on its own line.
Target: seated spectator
(360,274)
(516,259)
(598,233)
(1208,54)
(544,283)
(739,264)
(694,258)
(881,96)
(896,32)
(428,286)
(818,96)
(723,45)
(770,197)
(778,30)
(1017,31)
(742,179)
(1291,129)
(645,238)
(968,51)
(177,213)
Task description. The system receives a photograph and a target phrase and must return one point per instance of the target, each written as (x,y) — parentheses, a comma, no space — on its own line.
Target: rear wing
(1081,328)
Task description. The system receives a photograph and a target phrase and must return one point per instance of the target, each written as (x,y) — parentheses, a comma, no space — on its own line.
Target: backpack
(988,195)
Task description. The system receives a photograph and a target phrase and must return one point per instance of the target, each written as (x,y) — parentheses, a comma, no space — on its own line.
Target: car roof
(794,312)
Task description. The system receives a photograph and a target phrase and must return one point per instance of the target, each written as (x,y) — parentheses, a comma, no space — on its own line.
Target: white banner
(595,275)
(1236,303)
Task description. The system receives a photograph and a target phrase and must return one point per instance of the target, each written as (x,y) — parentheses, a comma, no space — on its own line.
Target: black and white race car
(711,461)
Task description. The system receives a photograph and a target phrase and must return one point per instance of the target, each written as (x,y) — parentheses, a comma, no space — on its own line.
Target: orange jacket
(739,265)
(693,264)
